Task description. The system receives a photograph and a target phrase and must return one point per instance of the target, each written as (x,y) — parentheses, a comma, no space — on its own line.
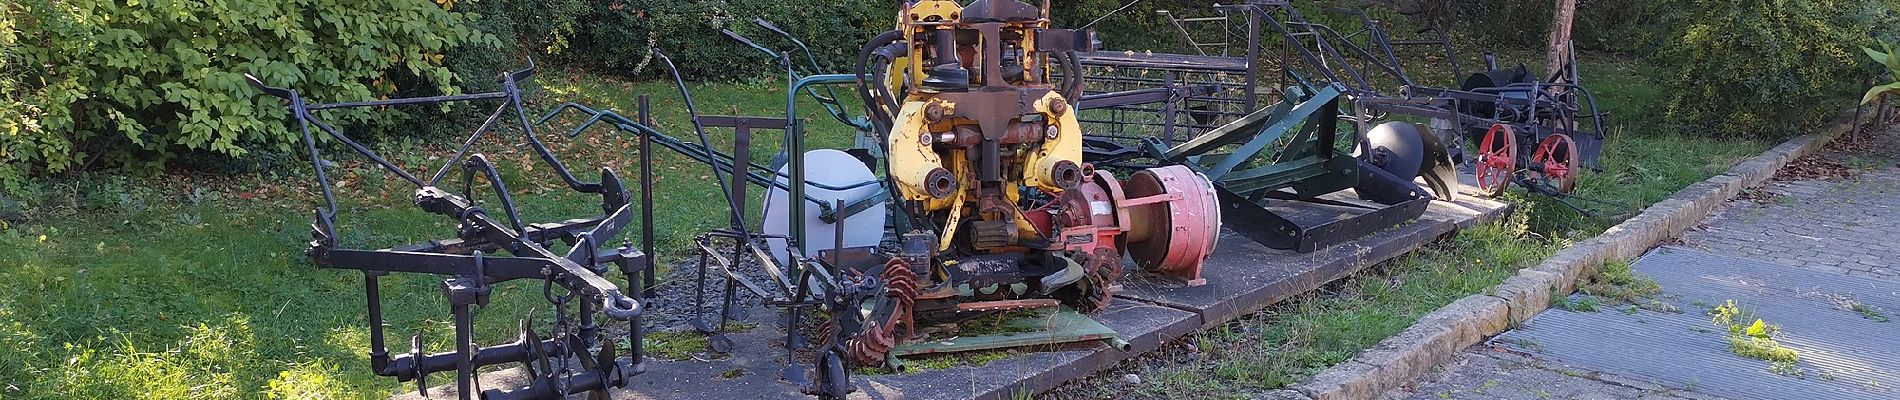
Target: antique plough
(1537,133)
(579,355)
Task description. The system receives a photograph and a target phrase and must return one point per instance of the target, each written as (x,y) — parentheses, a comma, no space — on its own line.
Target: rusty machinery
(578,355)
(985,154)
(1536,132)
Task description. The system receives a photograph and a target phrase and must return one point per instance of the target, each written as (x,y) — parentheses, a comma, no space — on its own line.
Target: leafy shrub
(1764,68)
(1606,25)
(138,83)
(1886,57)
(542,29)
(620,34)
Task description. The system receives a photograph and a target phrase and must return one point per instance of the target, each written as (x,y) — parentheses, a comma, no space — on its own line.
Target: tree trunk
(1560,38)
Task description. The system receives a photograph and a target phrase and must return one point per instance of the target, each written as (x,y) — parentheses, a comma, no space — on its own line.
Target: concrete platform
(1243,276)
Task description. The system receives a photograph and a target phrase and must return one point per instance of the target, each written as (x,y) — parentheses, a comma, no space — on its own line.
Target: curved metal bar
(480,162)
(738,222)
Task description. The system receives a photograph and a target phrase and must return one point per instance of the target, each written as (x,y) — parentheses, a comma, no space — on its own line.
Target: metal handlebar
(278,92)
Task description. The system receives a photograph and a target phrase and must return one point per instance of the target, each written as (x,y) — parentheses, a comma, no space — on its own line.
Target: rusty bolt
(1059,106)
(934,112)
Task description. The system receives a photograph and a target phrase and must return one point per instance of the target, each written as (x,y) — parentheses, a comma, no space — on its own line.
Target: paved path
(1802,253)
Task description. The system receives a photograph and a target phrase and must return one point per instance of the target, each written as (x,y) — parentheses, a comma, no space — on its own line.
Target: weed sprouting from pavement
(1578,303)
(1869,313)
(1618,283)
(1755,340)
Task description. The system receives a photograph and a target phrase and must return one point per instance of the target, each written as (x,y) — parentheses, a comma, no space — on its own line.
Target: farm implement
(988,207)
(578,354)
(1246,91)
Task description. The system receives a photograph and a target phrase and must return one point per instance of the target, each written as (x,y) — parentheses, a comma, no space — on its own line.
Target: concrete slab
(1843,355)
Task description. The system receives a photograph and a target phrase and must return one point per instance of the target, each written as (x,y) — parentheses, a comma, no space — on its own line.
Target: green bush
(1605,25)
(542,29)
(620,34)
(1764,68)
(138,83)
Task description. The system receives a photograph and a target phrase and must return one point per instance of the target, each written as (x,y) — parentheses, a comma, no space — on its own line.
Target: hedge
(1765,68)
(141,82)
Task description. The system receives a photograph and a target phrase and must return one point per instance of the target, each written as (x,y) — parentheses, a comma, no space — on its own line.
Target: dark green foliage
(542,29)
(619,35)
(139,83)
(1138,28)
(1604,25)
(1765,68)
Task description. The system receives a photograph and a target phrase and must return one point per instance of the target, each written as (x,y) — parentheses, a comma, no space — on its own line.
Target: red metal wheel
(1557,162)
(1497,159)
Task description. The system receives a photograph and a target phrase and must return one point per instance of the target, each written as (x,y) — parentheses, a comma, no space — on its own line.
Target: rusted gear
(1093,292)
(893,312)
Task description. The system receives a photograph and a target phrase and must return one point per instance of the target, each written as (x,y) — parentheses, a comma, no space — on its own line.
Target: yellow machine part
(912,156)
(1065,146)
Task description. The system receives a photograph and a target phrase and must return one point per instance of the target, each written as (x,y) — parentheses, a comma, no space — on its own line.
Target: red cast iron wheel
(1497,159)
(1556,157)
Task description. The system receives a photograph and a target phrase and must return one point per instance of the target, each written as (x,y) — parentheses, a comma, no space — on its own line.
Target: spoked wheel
(890,320)
(1556,163)
(1093,292)
(1497,159)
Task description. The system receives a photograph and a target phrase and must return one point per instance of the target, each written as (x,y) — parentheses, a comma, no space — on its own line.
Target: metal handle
(762,23)
(286,94)
(748,42)
(520,75)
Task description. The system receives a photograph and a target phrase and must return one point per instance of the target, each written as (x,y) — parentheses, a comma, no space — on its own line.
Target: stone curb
(1436,337)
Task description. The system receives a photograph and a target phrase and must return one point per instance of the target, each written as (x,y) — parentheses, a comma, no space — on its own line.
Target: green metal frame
(1314,161)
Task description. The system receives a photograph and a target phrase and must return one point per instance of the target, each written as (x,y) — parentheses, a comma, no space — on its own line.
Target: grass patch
(1280,346)
(682,345)
(673,345)
(1578,303)
(1618,284)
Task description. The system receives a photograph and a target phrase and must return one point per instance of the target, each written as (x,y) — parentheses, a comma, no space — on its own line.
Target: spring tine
(415,354)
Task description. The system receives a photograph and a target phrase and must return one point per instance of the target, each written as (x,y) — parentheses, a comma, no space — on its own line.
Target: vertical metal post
(741,160)
(795,169)
(1253,58)
(1168,110)
(648,280)
(464,338)
(378,351)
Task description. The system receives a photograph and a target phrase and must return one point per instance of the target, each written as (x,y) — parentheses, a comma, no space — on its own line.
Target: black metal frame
(575,358)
